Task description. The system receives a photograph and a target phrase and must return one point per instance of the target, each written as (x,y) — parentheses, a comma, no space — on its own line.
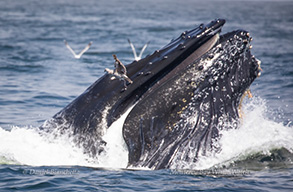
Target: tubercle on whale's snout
(213,28)
(197,33)
(167,58)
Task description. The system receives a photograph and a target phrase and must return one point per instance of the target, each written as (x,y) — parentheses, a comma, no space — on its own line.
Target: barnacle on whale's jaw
(247,69)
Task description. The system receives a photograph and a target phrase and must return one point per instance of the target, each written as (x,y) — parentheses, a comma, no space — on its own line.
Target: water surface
(39,76)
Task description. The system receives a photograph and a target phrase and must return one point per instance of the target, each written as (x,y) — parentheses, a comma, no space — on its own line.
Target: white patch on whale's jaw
(116,151)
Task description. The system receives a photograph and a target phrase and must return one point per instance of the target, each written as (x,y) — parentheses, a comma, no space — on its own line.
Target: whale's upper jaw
(199,35)
(171,55)
(146,72)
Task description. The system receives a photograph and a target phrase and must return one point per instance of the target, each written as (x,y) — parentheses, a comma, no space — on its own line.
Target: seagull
(137,58)
(119,72)
(81,53)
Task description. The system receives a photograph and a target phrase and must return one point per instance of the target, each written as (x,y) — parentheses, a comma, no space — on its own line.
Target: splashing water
(257,134)
(116,153)
(26,146)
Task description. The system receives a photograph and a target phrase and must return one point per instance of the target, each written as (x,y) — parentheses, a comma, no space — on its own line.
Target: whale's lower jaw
(181,118)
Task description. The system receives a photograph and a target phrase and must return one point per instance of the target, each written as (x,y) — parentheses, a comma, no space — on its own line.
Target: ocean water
(39,76)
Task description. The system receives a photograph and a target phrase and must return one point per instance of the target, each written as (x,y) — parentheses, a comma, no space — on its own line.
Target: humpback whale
(181,97)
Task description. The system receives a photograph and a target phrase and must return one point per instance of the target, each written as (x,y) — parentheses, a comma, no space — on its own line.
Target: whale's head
(180,97)
(181,117)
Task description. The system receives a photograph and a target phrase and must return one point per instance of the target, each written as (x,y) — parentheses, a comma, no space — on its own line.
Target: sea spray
(25,145)
(116,152)
(256,134)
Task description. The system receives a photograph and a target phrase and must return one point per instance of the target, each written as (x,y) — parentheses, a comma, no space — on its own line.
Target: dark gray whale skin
(170,87)
(182,117)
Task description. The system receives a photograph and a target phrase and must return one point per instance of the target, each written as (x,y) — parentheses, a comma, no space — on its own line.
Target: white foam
(256,134)
(116,152)
(26,146)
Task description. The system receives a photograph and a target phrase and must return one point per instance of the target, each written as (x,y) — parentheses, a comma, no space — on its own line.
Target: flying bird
(119,72)
(137,58)
(81,53)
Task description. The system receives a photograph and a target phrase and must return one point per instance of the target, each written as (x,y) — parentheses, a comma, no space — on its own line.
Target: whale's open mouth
(183,94)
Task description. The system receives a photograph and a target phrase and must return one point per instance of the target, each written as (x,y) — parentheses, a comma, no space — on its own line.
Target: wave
(259,142)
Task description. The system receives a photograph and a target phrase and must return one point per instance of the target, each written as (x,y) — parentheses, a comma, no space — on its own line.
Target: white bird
(119,72)
(137,58)
(81,53)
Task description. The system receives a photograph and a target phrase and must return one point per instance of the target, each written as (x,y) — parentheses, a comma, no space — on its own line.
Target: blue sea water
(39,76)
